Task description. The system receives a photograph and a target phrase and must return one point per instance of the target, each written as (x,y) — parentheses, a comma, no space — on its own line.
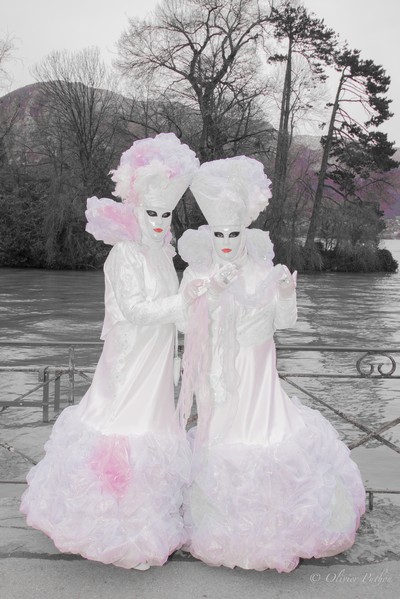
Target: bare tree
(300,181)
(8,111)
(78,140)
(7,46)
(83,112)
(202,54)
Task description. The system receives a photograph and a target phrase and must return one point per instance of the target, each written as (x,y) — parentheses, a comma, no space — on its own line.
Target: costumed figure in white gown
(110,484)
(271,480)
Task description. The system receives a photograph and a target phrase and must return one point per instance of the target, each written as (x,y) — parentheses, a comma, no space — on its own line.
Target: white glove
(193,290)
(222,279)
(287,284)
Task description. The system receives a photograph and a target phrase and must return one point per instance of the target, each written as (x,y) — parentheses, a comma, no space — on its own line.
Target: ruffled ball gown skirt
(110,486)
(272,483)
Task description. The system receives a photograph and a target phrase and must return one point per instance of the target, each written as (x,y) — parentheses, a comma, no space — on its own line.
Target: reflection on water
(353,310)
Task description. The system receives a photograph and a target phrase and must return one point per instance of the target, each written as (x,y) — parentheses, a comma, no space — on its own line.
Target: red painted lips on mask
(226,250)
(158,230)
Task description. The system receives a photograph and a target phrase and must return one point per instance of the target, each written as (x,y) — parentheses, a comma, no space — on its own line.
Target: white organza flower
(259,245)
(195,248)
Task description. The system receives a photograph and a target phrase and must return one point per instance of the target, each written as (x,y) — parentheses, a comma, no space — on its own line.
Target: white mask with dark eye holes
(228,242)
(156,222)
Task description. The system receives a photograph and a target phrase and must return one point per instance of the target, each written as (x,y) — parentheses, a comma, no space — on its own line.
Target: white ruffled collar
(196,248)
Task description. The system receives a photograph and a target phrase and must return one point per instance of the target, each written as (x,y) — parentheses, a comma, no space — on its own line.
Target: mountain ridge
(24,106)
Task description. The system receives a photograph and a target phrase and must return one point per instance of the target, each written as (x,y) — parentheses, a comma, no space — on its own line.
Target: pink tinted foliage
(381,187)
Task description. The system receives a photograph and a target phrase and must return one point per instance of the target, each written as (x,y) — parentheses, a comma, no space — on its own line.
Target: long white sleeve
(188,275)
(124,273)
(285,312)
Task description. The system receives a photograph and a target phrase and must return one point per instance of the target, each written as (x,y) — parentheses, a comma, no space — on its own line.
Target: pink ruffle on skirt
(115,499)
(260,507)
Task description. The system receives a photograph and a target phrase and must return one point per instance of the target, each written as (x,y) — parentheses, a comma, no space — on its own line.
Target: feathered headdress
(153,172)
(231,191)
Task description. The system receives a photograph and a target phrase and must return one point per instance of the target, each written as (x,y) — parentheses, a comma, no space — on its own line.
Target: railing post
(44,378)
(71,375)
(57,384)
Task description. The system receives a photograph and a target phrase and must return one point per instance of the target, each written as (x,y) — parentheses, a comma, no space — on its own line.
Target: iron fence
(370,363)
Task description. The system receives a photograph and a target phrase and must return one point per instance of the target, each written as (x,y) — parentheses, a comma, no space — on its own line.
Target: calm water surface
(357,310)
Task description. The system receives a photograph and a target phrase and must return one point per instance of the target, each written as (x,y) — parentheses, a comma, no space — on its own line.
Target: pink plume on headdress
(160,167)
(111,221)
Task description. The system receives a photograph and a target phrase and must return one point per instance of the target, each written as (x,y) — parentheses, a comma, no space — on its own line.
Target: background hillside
(47,172)
(25,108)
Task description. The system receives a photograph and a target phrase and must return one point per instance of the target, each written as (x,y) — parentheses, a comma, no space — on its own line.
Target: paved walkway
(31,567)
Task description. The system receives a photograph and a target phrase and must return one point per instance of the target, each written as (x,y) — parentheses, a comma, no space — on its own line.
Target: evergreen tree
(352,149)
(308,37)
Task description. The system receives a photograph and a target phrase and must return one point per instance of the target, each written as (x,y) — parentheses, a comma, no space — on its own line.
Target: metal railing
(47,375)
(372,363)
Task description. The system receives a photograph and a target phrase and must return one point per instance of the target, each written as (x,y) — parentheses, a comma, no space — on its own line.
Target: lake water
(339,310)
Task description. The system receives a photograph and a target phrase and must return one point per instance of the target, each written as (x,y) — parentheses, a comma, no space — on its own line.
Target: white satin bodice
(132,391)
(254,323)
(246,403)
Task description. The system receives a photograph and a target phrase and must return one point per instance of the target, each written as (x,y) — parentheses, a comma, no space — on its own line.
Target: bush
(387,262)
(359,258)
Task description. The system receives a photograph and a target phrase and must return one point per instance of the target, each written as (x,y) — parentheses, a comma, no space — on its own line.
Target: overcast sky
(41,26)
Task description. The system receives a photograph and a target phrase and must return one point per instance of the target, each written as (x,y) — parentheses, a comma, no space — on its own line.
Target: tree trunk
(312,229)
(207,137)
(282,153)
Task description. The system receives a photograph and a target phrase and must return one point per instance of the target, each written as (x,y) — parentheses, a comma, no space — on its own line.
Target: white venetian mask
(157,222)
(227,241)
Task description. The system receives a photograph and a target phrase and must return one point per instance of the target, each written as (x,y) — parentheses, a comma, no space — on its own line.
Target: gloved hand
(193,290)
(222,279)
(287,284)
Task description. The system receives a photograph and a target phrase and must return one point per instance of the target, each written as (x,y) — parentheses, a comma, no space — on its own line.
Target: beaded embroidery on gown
(271,480)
